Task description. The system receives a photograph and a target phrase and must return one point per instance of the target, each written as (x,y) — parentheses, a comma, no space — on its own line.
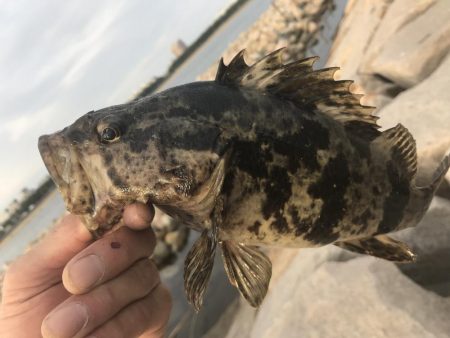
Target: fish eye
(109,134)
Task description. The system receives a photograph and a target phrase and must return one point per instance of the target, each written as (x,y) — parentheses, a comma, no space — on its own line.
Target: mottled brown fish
(269,154)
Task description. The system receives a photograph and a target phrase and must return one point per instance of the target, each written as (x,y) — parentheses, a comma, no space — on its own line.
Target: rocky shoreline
(287,23)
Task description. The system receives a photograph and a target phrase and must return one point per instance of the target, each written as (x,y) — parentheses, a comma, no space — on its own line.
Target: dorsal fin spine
(296,81)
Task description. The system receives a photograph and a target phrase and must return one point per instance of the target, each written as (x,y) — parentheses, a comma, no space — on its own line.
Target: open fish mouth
(63,164)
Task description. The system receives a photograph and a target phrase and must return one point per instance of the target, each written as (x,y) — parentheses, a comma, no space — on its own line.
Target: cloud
(30,125)
(61,59)
(92,41)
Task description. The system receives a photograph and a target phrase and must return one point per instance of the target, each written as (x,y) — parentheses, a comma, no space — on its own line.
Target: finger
(106,258)
(138,216)
(81,314)
(42,265)
(145,318)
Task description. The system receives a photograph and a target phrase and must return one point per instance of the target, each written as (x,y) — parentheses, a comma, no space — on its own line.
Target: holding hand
(69,286)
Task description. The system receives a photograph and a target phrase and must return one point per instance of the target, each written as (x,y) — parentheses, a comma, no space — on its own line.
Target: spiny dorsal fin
(403,148)
(298,82)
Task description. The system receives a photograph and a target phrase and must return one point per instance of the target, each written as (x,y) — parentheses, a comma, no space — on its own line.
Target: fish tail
(423,195)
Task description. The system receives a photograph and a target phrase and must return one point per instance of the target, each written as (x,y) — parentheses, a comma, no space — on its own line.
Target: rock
(162,255)
(176,240)
(433,232)
(410,41)
(236,321)
(329,292)
(428,160)
(162,222)
(431,241)
(356,30)
(287,23)
(424,110)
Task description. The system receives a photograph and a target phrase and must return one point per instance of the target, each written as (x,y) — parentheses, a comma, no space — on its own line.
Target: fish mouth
(63,165)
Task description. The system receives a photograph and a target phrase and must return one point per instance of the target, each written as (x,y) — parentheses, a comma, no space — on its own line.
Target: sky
(61,59)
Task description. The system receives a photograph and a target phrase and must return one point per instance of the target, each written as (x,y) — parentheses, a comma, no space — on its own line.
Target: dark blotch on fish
(278,189)
(115,178)
(138,139)
(252,158)
(331,189)
(255,228)
(301,148)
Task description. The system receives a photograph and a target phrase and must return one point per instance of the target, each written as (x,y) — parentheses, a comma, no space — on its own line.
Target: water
(33,226)
(220,293)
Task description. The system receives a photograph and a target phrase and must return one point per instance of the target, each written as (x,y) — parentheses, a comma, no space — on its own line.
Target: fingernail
(66,321)
(86,272)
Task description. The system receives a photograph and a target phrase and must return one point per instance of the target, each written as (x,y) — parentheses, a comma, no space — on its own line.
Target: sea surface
(220,293)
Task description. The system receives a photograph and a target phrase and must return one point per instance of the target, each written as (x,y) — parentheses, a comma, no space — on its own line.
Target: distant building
(178,47)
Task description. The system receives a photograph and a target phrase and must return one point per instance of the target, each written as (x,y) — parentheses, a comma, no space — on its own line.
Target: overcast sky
(61,59)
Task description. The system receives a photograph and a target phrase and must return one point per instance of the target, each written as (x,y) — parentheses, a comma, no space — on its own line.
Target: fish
(268,154)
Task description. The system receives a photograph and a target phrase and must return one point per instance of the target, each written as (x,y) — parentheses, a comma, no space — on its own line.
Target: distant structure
(178,47)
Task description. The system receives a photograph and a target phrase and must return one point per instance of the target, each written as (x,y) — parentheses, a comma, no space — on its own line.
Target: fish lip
(50,163)
(59,161)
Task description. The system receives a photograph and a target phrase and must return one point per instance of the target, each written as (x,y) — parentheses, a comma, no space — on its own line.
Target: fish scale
(268,154)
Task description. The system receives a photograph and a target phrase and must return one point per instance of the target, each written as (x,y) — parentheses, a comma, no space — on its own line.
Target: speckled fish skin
(270,154)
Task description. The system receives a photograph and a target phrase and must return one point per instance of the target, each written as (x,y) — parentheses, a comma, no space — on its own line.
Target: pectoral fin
(198,266)
(248,269)
(381,246)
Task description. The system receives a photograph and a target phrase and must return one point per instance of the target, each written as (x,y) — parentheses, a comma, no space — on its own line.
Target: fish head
(132,152)
(79,161)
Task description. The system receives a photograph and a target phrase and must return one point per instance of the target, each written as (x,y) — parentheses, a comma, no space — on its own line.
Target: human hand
(69,286)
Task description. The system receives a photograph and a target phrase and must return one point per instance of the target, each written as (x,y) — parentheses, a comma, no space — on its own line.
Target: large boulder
(389,46)
(356,30)
(409,42)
